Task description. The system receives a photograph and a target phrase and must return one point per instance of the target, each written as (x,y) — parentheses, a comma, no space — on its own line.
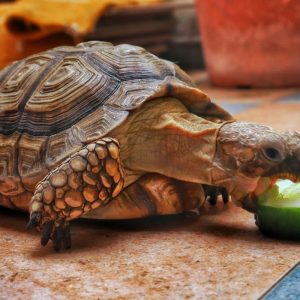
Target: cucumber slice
(278,213)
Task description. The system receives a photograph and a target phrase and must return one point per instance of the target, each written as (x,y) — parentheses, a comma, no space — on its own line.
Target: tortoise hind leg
(81,183)
(153,194)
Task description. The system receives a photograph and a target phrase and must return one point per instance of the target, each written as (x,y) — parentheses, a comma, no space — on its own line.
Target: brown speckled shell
(54,102)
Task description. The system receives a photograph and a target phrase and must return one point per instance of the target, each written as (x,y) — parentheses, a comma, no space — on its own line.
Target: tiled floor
(279,108)
(220,255)
(287,285)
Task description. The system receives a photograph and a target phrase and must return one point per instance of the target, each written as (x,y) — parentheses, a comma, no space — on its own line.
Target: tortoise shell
(54,102)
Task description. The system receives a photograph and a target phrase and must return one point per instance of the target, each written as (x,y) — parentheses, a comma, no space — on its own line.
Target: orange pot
(251,43)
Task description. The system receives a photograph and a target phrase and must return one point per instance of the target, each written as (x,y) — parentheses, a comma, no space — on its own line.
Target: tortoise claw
(225,195)
(213,196)
(61,236)
(213,192)
(46,233)
(57,239)
(58,232)
(34,220)
(67,237)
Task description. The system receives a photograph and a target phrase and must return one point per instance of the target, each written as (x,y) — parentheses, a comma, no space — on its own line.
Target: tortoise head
(251,157)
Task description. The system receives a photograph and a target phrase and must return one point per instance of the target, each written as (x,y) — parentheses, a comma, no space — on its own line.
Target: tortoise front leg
(83,182)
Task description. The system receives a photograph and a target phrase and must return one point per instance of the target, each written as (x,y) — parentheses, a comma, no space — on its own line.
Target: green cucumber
(278,211)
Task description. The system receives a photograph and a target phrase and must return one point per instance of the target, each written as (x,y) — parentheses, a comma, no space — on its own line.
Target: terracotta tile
(279,108)
(219,255)
(238,107)
(294,98)
(282,116)
(239,95)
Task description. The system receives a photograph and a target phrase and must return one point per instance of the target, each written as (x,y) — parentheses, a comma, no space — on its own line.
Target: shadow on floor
(85,233)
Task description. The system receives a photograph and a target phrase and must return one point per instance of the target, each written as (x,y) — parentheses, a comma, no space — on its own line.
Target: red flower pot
(251,43)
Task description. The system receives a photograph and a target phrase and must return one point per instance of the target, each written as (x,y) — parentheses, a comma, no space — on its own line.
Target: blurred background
(245,54)
(249,43)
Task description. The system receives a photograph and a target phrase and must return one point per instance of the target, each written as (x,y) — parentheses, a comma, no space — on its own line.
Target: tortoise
(113,132)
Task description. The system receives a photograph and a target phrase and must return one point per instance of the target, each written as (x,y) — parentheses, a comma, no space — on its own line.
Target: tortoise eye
(272,154)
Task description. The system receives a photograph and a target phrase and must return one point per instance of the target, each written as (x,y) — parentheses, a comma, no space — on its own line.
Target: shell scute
(16,86)
(67,97)
(91,87)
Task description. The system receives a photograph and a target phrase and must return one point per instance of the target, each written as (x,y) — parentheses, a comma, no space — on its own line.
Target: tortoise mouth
(286,175)
(251,184)
(250,201)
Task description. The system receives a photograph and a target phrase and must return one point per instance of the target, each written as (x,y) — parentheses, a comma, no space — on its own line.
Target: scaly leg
(83,182)
(153,194)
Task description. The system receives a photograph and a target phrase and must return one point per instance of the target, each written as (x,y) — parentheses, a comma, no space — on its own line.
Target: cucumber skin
(279,222)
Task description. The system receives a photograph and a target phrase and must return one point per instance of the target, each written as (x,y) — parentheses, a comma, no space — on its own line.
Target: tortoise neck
(163,137)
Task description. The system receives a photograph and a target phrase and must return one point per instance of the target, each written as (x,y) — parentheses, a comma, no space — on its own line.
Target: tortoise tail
(34,220)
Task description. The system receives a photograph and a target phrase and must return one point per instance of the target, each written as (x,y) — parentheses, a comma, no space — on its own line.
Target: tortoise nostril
(273,154)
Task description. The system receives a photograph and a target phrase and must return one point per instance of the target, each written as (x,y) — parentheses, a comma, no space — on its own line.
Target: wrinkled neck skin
(163,137)
(226,173)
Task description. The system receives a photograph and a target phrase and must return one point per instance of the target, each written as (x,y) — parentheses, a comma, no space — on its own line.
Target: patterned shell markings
(54,102)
